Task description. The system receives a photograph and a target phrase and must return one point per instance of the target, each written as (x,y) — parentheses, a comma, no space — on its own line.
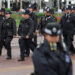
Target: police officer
(2,17)
(68,25)
(50,58)
(8,32)
(34,18)
(73,10)
(25,33)
(48,17)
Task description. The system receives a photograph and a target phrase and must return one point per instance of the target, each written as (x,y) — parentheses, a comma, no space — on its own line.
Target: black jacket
(34,18)
(47,62)
(26,27)
(2,18)
(67,23)
(9,27)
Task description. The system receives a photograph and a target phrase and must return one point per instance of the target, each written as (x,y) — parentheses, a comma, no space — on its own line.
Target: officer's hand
(35,33)
(14,36)
(27,37)
(19,37)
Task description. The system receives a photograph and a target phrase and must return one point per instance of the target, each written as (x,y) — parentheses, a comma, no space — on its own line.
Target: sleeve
(41,65)
(20,29)
(35,22)
(14,27)
(31,27)
(70,69)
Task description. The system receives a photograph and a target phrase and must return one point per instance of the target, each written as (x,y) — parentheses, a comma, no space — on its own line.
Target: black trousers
(6,42)
(25,46)
(35,40)
(68,38)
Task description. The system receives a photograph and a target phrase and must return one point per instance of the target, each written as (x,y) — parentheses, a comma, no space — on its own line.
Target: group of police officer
(68,26)
(26,32)
(52,56)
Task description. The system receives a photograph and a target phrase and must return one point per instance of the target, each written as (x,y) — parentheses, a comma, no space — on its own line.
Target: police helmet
(73,7)
(53,29)
(50,10)
(68,7)
(26,12)
(45,9)
(1,10)
(30,6)
(8,12)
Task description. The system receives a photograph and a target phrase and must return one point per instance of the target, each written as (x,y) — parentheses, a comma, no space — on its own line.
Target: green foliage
(7,9)
(17,16)
(39,15)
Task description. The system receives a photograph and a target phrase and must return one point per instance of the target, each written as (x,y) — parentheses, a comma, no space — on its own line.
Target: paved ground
(13,67)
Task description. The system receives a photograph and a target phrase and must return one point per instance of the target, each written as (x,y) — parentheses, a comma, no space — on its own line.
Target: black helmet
(8,12)
(68,7)
(50,10)
(53,29)
(45,9)
(73,7)
(30,6)
(26,12)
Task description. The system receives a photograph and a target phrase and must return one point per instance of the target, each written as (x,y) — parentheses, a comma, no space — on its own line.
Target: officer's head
(30,8)
(49,11)
(52,31)
(26,14)
(73,9)
(8,14)
(1,12)
(45,10)
(68,9)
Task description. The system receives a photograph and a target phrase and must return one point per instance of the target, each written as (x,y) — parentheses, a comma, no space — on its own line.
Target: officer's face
(54,39)
(8,16)
(26,16)
(0,13)
(68,11)
(73,11)
(45,12)
(30,9)
(48,14)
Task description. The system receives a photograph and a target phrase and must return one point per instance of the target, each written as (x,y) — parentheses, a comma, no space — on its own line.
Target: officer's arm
(31,28)
(70,69)
(19,29)
(14,27)
(35,22)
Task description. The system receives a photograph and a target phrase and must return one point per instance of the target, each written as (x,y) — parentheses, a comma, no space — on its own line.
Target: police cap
(68,7)
(73,7)
(45,9)
(53,29)
(50,10)
(8,12)
(30,6)
(26,12)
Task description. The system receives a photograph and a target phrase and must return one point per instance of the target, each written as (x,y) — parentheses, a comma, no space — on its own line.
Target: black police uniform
(52,59)
(68,27)
(2,18)
(26,27)
(34,18)
(46,19)
(8,30)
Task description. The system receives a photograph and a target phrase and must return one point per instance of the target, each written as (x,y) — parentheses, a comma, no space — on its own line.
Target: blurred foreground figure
(52,58)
